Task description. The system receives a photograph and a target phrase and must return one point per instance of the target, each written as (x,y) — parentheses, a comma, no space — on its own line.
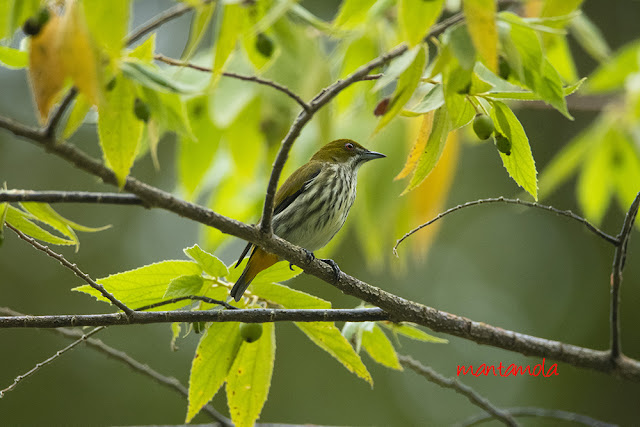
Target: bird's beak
(370,155)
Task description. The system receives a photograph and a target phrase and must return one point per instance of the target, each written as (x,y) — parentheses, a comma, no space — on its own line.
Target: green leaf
(13,58)
(353,331)
(549,87)
(415,18)
(457,83)
(230,28)
(522,48)
(559,55)
(145,285)
(353,13)
(44,212)
(119,129)
(410,330)
(3,217)
(396,68)
(590,38)
(168,110)
(519,163)
(108,22)
(376,343)
(433,100)
(145,51)
(199,25)
(531,96)
(5,17)
(432,150)
(326,336)
(480,16)
(287,297)
(184,285)
(625,167)
(611,75)
(249,378)
(407,84)
(214,357)
(148,76)
(81,107)
(22,10)
(279,272)
(22,221)
(195,156)
(459,39)
(209,263)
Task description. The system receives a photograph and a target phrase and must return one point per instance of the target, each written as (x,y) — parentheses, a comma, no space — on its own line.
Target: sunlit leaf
(352,13)
(184,286)
(418,145)
(13,58)
(480,16)
(209,263)
(23,222)
(595,182)
(611,75)
(249,378)
(108,21)
(199,25)
(407,83)
(145,50)
(410,330)
(432,149)
(119,129)
(232,25)
(590,38)
(378,346)
(215,354)
(145,285)
(46,72)
(431,101)
(416,17)
(519,163)
(79,111)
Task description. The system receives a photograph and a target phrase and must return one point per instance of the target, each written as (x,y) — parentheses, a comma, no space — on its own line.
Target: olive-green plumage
(312,204)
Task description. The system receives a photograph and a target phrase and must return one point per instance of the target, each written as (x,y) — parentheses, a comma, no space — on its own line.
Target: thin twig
(50,128)
(69,197)
(568,214)
(189,297)
(616,277)
(259,315)
(254,79)
(539,413)
(73,267)
(45,362)
(463,389)
(158,20)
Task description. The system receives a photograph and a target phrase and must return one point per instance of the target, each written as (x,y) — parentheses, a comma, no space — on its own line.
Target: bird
(311,206)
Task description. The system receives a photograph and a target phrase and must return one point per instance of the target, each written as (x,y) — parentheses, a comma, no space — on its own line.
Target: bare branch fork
(397,308)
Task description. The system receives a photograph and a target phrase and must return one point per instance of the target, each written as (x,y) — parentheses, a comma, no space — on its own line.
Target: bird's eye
(348,146)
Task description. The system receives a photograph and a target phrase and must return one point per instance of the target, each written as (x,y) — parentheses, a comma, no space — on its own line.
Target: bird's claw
(334,267)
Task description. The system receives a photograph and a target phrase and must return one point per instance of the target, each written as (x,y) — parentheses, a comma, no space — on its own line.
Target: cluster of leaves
(228,352)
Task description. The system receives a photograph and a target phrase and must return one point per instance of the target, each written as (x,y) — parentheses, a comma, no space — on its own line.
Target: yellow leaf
(418,146)
(46,74)
(481,23)
(427,200)
(78,57)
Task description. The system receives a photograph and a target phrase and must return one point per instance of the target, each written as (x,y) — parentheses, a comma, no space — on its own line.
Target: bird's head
(345,151)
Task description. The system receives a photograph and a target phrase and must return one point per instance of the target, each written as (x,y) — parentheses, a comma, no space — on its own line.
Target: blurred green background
(516,268)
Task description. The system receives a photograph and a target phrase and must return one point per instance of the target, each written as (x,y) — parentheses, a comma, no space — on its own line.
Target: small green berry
(264,45)
(250,332)
(141,110)
(503,144)
(483,126)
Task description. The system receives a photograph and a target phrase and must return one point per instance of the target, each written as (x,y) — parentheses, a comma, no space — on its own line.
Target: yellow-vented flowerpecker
(312,205)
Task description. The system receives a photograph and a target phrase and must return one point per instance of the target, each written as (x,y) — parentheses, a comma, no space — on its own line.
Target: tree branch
(540,413)
(398,308)
(69,197)
(568,214)
(73,267)
(237,76)
(619,258)
(463,389)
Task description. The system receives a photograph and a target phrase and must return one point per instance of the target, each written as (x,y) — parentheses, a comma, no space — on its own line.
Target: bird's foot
(310,257)
(334,267)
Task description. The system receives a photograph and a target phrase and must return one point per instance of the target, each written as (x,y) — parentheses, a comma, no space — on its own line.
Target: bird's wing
(288,193)
(295,185)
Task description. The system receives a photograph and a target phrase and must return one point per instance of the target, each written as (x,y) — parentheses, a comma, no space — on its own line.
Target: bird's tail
(258,261)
